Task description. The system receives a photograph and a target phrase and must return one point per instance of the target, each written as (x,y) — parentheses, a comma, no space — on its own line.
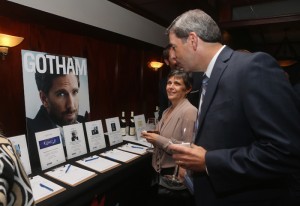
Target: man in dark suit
(247,146)
(196,77)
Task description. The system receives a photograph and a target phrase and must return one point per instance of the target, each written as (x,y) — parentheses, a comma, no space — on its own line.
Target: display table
(126,184)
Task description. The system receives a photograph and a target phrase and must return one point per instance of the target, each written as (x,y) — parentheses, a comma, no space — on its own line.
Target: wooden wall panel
(119,79)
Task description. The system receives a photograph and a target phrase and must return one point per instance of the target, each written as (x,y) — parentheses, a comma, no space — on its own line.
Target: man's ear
(167,62)
(194,40)
(44,99)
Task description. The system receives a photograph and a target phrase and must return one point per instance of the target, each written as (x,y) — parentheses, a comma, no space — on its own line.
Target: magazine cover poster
(56,93)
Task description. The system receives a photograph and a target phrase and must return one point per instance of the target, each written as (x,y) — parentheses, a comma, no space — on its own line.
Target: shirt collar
(212,62)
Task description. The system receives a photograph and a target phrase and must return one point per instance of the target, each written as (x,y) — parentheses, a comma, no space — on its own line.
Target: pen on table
(137,147)
(110,158)
(94,158)
(68,168)
(46,187)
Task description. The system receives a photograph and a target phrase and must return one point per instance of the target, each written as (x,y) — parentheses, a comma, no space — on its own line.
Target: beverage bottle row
(124,125)
(129,128)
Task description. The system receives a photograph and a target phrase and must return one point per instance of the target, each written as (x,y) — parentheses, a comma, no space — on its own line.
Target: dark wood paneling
(119,79)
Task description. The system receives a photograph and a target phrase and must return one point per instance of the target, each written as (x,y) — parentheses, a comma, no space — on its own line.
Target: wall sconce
(155,65)
(7,41)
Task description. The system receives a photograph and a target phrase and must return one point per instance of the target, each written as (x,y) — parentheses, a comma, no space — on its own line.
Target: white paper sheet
(119,155)
(98,163)
(70,174)
(141,141)
(43,188)
(133,148)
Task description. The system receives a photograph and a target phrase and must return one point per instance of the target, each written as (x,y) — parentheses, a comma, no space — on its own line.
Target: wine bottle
(156,113)
(123,124)
(131,125)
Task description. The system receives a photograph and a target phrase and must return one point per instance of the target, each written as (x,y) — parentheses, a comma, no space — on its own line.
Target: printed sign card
(112,124)
(115,138)
(113,131)
(140,125)
(20,144)
(95,135)
(50,148)
(75,140)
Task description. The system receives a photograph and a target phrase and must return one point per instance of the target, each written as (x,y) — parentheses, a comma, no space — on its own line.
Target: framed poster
(55,91)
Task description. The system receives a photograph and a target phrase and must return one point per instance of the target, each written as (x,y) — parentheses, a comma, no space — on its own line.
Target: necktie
(204,86)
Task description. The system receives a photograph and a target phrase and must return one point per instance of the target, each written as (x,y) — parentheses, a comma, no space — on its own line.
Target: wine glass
(151,127)
(184,139)
(151,124)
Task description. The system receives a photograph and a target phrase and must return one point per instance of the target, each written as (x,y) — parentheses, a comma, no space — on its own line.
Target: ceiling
(272,26)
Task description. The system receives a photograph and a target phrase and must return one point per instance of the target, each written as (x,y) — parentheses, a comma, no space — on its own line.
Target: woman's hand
(150,137)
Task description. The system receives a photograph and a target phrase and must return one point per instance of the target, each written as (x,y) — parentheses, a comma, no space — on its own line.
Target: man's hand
(192,158)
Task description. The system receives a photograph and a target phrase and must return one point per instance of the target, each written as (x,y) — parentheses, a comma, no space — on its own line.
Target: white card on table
(20,144)
(140,125)
(75,140)
(95,135)
(50,148)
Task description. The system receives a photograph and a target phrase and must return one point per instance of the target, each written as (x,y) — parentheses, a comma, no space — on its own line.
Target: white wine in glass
(184,139)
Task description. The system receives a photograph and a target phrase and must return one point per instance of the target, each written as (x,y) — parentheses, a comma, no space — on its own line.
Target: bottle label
(123,131)
(132,131)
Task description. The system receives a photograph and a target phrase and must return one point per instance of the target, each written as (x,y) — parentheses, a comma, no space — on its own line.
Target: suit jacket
(249,124)
(297,89)
(41,122)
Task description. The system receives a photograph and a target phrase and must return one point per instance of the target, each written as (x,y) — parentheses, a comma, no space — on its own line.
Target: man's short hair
(195,21)
(166,52)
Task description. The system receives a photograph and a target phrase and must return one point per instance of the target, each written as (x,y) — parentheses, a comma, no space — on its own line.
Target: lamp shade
(155,65)
(9,41)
